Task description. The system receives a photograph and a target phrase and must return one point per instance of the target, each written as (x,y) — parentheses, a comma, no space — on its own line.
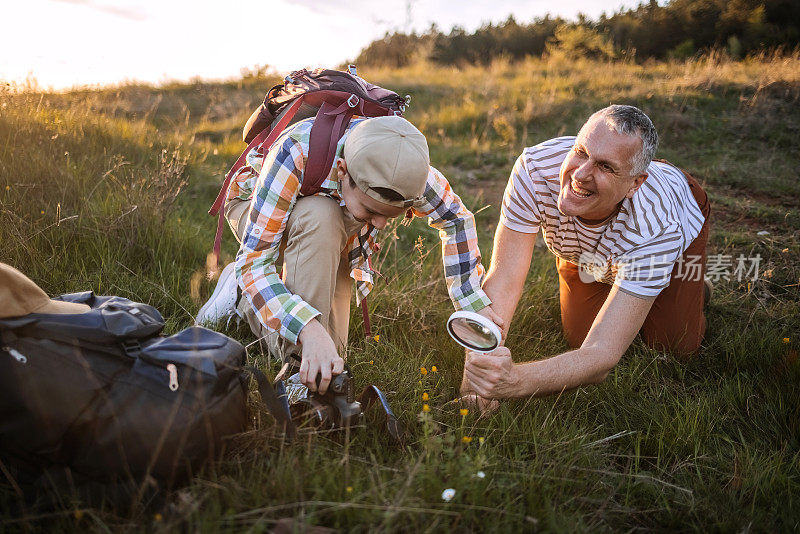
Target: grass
(107,190)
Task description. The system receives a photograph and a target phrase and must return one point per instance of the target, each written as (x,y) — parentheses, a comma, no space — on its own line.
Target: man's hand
(490,314)
(476,402)
(319,357)
(493,375)
(469,396)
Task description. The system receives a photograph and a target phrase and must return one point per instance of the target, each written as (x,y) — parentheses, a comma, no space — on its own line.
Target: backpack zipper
(173,376)
(21,358)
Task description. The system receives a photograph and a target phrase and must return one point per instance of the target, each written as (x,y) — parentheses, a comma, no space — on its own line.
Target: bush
(581,42)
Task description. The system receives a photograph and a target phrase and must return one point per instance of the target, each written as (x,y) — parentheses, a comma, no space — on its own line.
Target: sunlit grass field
(108,189)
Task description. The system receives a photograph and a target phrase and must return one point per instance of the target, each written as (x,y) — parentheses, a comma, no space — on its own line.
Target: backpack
(104,397)
(334,97)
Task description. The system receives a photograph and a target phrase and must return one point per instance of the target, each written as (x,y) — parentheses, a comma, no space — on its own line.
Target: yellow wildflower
(426,408)
(41,212)
(466,439)
(349,489)
(8,188)
(434,369)
(423,371)
(377,338)
(786,340)
(425,396)
(371,362)
(158,517)
(463,411)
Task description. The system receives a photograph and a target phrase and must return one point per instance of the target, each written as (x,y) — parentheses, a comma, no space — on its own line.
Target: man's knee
(676,322)
(682,341)
(575,333)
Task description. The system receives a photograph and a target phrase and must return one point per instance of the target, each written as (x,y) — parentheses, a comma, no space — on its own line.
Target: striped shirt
(636,250)
(273,179)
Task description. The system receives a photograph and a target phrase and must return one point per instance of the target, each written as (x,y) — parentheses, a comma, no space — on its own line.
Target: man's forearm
(511,259)
(496,376)
(616,325)
(504,296)
(565,371)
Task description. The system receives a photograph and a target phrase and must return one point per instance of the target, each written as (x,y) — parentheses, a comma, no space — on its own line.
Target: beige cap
(20,296)
(388,152)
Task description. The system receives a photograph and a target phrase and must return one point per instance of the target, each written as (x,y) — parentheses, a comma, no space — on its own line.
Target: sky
(66,43)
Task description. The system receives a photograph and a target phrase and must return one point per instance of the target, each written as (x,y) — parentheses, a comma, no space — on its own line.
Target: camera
(337,408)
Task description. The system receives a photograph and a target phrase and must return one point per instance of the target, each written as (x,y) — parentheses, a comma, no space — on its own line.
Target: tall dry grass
(107,190)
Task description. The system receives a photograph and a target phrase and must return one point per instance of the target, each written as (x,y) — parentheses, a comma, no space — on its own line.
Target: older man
(629,235)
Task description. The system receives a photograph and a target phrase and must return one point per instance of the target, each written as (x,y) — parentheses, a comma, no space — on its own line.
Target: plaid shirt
(273,183)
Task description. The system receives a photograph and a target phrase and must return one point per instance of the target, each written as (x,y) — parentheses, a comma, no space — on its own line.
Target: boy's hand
(319,357)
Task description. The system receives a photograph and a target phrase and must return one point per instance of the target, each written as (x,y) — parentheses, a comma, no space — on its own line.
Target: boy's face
(363,207)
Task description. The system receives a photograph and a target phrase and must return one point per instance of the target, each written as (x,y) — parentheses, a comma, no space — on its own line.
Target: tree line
(675,30)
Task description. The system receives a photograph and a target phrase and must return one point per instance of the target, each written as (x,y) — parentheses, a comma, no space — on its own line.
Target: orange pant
(675,323)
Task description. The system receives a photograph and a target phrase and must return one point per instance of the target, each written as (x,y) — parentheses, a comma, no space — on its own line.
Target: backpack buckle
(290,79)
(131,347)
(352,101)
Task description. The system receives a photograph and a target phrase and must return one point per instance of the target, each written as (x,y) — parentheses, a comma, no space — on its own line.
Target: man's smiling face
(596,175)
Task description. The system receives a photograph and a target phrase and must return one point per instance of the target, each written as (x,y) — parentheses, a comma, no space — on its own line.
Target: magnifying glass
(474,331)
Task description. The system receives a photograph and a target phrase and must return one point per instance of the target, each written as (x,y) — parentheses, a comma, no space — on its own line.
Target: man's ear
(637,183)
(341,168)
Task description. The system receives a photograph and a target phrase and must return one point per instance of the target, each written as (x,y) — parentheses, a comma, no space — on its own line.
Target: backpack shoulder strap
(328,128)
(267,136)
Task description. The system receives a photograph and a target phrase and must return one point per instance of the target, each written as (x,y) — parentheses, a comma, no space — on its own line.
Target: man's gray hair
(630,120)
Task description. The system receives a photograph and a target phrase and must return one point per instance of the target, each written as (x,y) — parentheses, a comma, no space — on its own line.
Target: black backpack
(103,396)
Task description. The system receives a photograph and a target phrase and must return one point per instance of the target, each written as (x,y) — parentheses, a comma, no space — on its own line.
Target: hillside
(108,190)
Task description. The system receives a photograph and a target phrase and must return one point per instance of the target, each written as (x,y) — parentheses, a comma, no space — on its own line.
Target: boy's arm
(244,179)
(275,193)
(460,253)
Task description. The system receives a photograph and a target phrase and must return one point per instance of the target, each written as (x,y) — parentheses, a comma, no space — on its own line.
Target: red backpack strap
(365,317)
(267,137)
(327,130)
